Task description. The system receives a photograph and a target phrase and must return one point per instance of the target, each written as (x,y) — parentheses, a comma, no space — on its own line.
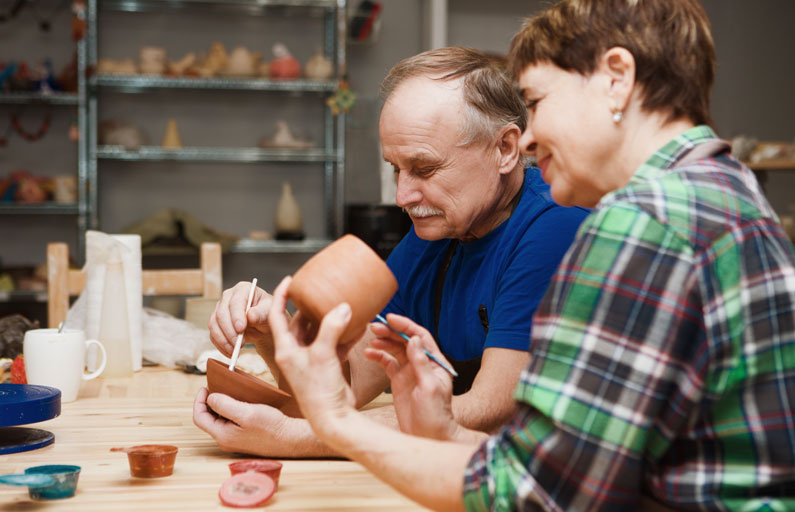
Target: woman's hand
(312,364)
(422,391)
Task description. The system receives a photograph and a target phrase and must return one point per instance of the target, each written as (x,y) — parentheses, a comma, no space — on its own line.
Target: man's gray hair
(490,100)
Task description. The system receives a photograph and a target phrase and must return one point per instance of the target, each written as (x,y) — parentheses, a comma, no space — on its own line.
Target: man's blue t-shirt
(497,280)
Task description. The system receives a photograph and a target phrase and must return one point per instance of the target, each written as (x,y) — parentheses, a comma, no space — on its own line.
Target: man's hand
(230,319)
(242,427)
(422,391)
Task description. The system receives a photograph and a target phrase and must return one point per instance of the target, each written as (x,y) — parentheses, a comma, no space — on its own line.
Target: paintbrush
(239,340)
(430,356)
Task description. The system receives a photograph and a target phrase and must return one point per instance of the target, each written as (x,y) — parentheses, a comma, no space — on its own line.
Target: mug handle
(95,373)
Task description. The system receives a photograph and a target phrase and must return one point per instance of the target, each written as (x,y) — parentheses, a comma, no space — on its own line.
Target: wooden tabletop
(155,406)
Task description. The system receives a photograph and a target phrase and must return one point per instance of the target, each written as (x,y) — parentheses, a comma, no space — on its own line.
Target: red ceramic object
(345,271)
(150,460)
(272,468)
(242,386)
(245,490)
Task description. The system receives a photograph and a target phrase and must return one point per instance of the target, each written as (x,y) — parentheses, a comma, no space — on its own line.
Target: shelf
(142,83)
(215,154)
(247,5)
(310,245)
(772,165)
(55,98)
(245,245)
(39,209)
(23,295)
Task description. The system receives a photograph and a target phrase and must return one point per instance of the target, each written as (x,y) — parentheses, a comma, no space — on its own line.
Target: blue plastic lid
(21,404)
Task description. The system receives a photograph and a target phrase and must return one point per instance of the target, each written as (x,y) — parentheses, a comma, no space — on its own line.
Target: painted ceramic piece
(284,66)
(150,460)
(65,484)
(272,468)
(244,387)
(349,271)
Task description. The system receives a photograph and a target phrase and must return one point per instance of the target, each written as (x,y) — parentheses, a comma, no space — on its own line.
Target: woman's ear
(618,65)
(508,150)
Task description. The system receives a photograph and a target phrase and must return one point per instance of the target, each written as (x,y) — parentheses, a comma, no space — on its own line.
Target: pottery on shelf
(319,67)
(284,66)
(150,460)
(152,60)
(289,225)
(283,138)
(243,386)
(241,63)
(172,140)
(349,271)
(180,67)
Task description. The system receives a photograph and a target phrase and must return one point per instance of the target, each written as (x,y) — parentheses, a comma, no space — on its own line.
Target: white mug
(58,359)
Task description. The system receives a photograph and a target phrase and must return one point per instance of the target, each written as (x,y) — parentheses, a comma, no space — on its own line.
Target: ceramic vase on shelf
(114,325)
(289,225)
(172,140)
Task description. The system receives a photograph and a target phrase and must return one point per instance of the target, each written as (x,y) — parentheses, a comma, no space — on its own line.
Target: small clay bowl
(349,271)
(150,460)
(272,468)
(242,386)
(65,484)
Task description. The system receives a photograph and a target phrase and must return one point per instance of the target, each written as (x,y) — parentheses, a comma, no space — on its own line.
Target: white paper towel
(99,248)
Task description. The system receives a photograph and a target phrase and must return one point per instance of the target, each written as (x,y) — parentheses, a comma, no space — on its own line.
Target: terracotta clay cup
(349,271)
(272,468)
(244,387)
(150,460)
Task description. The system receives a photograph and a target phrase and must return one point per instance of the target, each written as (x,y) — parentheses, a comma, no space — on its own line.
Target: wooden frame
(63,282)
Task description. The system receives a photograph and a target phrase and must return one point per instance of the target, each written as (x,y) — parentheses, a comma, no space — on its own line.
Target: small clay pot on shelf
(348,270)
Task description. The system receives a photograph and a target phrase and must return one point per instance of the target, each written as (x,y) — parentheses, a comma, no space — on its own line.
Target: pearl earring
(618,116)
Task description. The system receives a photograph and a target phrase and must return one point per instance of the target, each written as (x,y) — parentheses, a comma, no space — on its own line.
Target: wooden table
(155,406)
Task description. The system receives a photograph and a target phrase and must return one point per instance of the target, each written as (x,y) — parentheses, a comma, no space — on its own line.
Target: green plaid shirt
(663,354)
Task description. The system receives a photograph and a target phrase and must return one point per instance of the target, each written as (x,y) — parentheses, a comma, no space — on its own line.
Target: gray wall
(753,95)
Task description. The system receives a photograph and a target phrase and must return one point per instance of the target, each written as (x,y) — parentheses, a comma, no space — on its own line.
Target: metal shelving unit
(331,155)
(60,99)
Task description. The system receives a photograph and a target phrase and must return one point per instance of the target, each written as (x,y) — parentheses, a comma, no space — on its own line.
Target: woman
(662,365)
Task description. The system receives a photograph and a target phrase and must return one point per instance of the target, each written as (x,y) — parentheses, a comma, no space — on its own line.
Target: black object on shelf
(381,226)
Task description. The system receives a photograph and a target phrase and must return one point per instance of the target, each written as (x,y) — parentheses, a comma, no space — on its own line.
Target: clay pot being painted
(244,387)
(272,468)
(349,271)
(150,460)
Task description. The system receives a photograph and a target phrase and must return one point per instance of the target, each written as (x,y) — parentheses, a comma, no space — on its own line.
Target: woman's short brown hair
(491,102)
(670,40)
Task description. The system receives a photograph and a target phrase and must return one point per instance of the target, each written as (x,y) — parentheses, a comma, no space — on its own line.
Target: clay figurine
(152,60)
(284,138)
(241,63)
(284,66)
(181,66)
(319,67)
(171,139)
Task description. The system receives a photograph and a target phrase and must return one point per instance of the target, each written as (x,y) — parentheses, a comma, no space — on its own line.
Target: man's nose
(527,142)
(408,191)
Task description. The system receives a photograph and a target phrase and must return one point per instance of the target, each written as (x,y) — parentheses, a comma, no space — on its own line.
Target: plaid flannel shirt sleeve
(603,371)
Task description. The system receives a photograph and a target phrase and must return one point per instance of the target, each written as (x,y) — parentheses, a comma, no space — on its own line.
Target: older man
(486,239)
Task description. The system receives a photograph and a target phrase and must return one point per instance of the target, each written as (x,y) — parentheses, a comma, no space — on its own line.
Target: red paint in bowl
(272,468)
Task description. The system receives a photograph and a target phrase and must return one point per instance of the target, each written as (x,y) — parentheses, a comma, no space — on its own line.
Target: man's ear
(618,66)
(508,151)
